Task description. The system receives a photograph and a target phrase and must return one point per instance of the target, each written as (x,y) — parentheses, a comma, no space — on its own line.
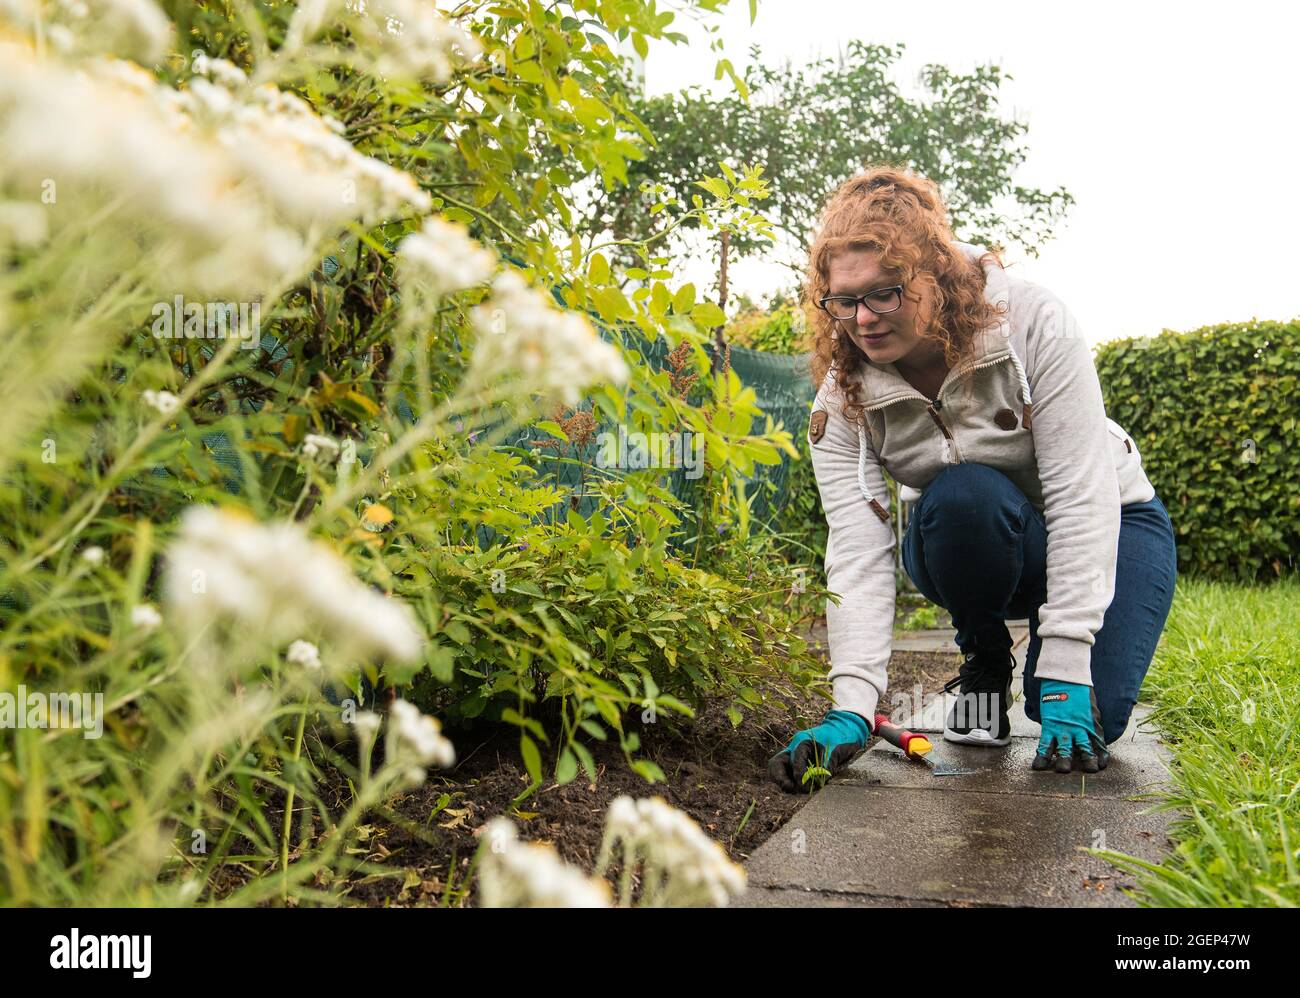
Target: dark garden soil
(715,773)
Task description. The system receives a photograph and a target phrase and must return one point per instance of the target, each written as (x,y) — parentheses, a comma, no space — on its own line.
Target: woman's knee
(1114,721)
(968,493)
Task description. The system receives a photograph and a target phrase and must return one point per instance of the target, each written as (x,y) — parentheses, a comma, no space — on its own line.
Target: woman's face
(883,338)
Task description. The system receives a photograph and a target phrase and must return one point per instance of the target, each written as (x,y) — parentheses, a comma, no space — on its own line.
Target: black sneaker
(979,715)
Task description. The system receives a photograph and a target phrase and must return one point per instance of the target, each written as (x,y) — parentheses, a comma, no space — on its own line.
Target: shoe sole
(976,736)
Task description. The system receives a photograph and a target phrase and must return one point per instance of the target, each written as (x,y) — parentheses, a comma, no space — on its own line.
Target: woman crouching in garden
(978,389)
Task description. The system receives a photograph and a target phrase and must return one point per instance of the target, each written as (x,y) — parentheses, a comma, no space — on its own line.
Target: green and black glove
(1071,735)
(827,747)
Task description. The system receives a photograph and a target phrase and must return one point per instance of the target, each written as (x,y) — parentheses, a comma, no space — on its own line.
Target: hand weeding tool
(915,747)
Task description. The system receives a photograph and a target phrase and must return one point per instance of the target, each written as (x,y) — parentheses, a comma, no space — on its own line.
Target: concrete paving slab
(930,713)
(933,845)
(935,641)
(940,640)
(789,897)
(1135,768)
(933,711)
(887,833)
(930,716)
(944,639)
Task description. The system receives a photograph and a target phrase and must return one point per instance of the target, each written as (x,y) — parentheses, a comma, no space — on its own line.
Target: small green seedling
(816,771)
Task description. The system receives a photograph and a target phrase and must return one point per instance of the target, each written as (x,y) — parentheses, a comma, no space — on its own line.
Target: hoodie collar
(883,383)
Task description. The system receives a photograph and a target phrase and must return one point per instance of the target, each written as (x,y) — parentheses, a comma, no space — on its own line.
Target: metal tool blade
(939,767)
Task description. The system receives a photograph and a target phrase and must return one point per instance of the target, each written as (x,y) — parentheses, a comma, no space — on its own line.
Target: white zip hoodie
(1026,401)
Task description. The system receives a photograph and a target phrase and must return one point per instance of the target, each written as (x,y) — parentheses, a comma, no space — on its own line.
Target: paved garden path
(885,832)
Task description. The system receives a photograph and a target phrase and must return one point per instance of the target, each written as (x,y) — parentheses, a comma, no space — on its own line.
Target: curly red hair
(902,216)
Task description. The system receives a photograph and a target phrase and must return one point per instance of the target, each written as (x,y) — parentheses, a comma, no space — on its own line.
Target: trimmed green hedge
(1214,414)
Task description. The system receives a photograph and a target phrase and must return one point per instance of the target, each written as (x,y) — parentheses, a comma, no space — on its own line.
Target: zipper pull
(933,410)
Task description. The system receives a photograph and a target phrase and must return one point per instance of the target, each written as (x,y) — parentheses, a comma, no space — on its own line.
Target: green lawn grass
(1225,688)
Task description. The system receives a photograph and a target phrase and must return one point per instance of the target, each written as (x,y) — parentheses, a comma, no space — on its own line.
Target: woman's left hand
(1071,729)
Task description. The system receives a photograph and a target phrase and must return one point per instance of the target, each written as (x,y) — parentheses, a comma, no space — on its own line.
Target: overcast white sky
(1175,126)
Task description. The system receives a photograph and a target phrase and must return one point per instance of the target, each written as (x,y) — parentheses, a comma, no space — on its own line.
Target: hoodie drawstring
(876,508)
(1026,417)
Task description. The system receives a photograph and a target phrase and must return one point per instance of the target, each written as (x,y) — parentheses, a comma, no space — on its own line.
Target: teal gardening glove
(829,745)
(1071,729)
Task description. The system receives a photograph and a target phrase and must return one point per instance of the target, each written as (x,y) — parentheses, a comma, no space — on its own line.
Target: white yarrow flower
(416,740)
(145,617)
(93,555)
(273,583)
(409,38)
(221,189)
(367,724)
(315,445)
(303,653)
(164,401)
(514,874)
(521,335)
(220,71)
(442,259)
(689,868)
(137,29)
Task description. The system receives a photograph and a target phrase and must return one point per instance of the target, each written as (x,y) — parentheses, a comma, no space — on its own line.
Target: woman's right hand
(816,754)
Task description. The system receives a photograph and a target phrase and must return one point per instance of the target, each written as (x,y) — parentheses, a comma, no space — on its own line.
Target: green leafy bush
(782,330)
(573,625)
(1213,413)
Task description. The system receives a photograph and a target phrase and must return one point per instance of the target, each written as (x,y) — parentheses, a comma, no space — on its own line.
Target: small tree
(811,127)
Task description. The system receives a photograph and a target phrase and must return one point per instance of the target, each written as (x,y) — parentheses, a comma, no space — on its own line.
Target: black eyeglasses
(880,301)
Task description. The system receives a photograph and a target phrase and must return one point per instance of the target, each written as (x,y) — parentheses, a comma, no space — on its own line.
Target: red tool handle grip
(895,735)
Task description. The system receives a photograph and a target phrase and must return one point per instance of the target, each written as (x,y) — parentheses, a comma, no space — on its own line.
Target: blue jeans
(977,546)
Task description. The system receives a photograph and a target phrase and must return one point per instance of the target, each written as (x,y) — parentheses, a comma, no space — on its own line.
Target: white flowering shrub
(661,857)
(278,285)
